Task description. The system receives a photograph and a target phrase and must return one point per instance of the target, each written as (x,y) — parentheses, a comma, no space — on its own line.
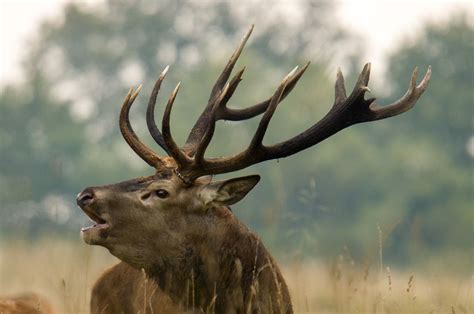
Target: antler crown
(190,159)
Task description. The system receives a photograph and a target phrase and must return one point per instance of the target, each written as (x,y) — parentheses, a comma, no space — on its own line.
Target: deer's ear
(228,192)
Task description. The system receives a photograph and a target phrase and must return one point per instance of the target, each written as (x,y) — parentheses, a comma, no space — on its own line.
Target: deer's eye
(162,193)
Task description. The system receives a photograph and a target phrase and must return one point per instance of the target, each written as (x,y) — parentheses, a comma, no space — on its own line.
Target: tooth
(86,228)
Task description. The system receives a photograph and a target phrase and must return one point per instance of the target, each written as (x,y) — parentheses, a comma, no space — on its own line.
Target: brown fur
(137,294)
(189,244)
(27,303)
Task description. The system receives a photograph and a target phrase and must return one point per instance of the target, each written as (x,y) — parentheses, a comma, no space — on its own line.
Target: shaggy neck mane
(226,260)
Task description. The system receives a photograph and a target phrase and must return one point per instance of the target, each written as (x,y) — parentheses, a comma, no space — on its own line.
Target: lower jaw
(94,235)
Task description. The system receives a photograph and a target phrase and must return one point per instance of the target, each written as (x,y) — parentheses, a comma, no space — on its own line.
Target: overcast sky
(384,22)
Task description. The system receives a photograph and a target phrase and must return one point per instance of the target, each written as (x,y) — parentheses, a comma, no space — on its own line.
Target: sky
(384,23)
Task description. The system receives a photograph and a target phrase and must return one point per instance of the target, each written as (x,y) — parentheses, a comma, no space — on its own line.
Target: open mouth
(97,221)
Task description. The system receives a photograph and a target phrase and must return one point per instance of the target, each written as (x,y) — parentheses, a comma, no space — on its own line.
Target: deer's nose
(85,198)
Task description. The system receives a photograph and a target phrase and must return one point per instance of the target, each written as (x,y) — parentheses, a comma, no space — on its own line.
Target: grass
(64,272)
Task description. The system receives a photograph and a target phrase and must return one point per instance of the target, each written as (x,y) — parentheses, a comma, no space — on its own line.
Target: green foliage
(447,115)
(438,209)
(39,143)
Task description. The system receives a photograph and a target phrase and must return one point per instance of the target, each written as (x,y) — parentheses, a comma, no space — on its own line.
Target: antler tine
(275,100)
(174,150)
(150,112)
(199,128)
(135,94)
(226,113)
(225,97)
(129,135)
(407,101)
(340,88)
(222,79)
(357,94)
(206,139)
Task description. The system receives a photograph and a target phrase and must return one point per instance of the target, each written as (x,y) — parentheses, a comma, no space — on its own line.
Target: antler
(199,128)
(222,112)
(150,111)
(346,111)
(190,159)
(129,135)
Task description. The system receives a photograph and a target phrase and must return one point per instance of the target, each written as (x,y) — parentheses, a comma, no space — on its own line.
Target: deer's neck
(206,261)
(225,261)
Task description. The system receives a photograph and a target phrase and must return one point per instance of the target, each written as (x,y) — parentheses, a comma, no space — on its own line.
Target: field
(64,271)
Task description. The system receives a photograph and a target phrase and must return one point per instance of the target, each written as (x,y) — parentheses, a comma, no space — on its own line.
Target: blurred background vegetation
(409,178)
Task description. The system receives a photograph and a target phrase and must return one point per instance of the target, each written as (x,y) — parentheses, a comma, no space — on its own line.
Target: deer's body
(176,224)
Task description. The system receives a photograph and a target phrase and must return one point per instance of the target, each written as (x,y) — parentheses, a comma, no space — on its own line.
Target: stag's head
(159,214)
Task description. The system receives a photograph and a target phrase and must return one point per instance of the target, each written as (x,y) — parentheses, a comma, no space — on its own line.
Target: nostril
(84,198)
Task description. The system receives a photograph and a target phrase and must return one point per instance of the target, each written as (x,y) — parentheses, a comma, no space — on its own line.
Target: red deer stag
(176,224)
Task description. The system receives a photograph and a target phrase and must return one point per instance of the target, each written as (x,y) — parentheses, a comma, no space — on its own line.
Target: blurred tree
(447,119)
(439,200)
(39,142)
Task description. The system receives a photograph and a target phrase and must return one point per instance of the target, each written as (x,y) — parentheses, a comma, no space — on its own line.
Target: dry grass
(64,271)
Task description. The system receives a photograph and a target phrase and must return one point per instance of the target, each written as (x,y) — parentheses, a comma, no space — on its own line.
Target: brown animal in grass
(27,303)
(134,291)
(176,224)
